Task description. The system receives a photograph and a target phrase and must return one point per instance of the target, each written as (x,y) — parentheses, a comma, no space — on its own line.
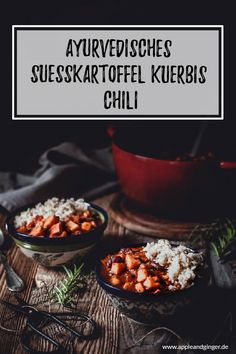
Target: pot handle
(227,165)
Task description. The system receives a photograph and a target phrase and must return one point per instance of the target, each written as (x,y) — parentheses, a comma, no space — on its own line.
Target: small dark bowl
(53,252)
(151,308)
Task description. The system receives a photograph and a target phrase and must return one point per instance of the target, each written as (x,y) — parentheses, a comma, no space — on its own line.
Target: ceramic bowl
(151,308)
(53,252)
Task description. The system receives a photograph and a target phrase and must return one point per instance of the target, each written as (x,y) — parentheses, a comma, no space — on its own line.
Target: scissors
(37,320)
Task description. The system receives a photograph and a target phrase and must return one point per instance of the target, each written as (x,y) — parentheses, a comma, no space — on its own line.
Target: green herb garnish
(224,237)
(219,235)
(67,288)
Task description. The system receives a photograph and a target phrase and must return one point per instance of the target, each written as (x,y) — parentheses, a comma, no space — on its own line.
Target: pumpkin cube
(76,218)
(142,274)
(72,226)
(56,229)
(127,286)
(150,283)
(63,234)
(87,213)
(50,221)
(117,268)
(86,226)
(30,225)
(114,280)
(131,262)
(139,288)
(22,229)
(37,231)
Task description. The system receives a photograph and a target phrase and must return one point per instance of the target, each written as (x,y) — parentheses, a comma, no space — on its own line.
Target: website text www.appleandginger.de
(203,347)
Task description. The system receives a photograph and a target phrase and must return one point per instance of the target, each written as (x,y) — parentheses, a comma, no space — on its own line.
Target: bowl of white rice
(39,239)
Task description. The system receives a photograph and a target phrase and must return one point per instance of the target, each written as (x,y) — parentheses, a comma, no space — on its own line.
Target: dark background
(22,142)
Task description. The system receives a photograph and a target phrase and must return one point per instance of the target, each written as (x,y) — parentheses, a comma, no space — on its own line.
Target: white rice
(63,208)
(180,262)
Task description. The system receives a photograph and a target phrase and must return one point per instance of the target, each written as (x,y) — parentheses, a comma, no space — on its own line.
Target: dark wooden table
(117,334)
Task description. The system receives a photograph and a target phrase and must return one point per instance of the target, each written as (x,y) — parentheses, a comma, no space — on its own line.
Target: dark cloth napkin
(65,170)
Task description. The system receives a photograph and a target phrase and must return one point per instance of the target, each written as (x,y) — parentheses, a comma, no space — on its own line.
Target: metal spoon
(14,282)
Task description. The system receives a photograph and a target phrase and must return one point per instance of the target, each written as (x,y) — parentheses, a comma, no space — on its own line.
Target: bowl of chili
(139,289)
(57,242)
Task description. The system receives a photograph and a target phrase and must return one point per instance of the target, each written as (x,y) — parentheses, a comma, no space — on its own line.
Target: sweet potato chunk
(22,229)
(150,283)
(156,278)
(127,286)
(142,274)
(114,280)
(72,226)
(139,288)
(143,258)
(63,234)
(39,218)
(37,231)
(142,266)
(86,226)
(76,218)
(131,262)
(117,268)
(87,213)
(30,225)
(165,277)
(51,220)
(56,229)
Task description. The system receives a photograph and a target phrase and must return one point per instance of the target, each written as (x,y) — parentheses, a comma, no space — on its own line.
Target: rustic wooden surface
(117,334)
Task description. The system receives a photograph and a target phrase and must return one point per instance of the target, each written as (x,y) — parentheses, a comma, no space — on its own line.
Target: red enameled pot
(176,188)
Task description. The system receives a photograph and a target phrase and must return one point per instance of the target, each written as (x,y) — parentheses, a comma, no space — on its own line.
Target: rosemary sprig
(226,234)
(219,235)
(66,288)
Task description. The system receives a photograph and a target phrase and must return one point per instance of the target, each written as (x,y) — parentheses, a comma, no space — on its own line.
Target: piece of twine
(156,329)
(136,340)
